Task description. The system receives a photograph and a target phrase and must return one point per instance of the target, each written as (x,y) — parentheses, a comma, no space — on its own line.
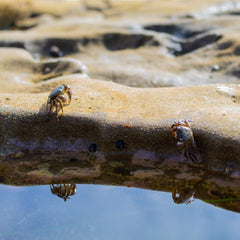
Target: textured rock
(130,129)
(157,51)
(13,10)
(115,133)
(19,71)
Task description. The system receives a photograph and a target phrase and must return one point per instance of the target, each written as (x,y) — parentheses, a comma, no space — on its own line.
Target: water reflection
(63,191)
(107,212)
(183,196)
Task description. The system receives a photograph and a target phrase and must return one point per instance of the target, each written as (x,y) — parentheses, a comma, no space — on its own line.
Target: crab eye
(66,87)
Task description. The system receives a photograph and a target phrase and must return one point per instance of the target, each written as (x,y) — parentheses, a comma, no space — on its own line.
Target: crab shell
(60,90)
(182,133)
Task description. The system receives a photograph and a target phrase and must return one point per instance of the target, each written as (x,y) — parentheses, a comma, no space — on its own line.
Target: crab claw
(69,92)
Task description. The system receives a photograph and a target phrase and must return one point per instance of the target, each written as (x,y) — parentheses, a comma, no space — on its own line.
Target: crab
(63,190)
(182,131)
(183,196)
(57,98)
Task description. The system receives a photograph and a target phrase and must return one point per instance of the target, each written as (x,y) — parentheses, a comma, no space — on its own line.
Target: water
(106,212)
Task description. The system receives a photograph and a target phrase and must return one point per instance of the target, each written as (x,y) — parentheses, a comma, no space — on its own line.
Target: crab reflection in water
(183,196)
(63,191)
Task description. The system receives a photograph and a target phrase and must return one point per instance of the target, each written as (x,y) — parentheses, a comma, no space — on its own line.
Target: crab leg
(69,92)
(50,109)
(47,109)
(56,105)
(60,103)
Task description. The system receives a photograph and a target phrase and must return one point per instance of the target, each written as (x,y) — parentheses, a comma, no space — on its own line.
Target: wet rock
(116,41)
(181,31)
(194,44)
(113,105)
(18,153)
(183,59)
(225,45)
(64,151)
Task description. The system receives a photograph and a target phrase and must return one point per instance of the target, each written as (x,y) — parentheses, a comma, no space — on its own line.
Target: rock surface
(181,44)
(12,11)
(131,78)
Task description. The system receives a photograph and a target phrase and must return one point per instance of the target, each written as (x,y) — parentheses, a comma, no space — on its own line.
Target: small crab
(57,98)
(183,196)
(63,190)
(182,131)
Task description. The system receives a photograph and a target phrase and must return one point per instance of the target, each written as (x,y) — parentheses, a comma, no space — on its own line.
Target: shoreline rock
(103,113)
(179,63)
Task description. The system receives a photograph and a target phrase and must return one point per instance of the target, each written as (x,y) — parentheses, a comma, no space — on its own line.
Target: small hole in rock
(120,144)
(92,147)
(73,160)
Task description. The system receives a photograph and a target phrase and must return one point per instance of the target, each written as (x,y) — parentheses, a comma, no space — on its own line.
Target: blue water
(105,212)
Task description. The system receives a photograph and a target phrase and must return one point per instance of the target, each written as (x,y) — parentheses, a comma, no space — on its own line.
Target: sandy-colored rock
(149,63)
(156,51)
(107,123)
(19,70)
(14,10)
